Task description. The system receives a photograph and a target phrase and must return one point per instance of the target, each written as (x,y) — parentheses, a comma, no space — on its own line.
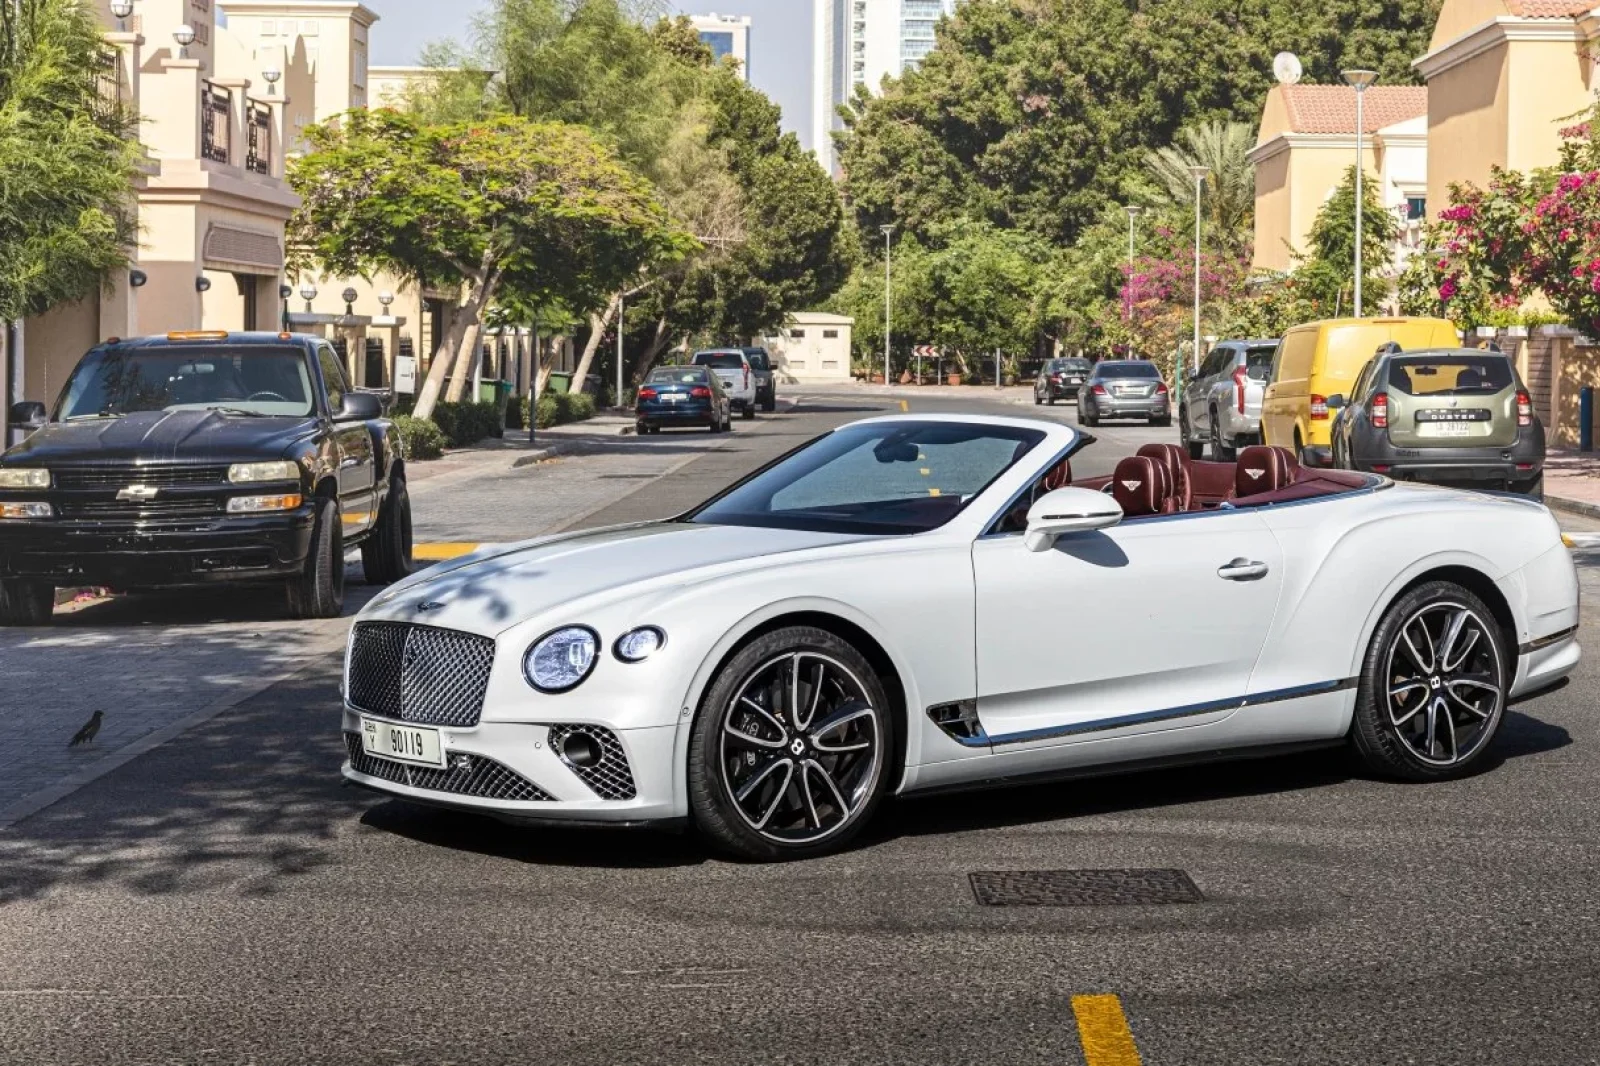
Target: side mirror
(1337,401)
(1066,511)
(28,414)
(359,407)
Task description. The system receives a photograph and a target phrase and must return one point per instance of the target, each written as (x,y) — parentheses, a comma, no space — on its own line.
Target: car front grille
(201,507)
(468,775)
(419,674)
(121,475)
(611,778)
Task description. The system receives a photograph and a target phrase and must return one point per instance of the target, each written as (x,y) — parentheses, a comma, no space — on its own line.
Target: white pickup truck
(733,367)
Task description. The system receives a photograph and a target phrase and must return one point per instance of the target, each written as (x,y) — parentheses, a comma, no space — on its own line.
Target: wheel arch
(1471,575)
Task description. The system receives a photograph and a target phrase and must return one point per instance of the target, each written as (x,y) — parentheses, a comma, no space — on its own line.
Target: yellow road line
(1103,1028)
(442,550)
(905,405)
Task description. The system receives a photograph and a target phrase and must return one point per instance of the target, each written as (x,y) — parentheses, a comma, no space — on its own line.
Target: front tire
(386,554)
(1532,488)
(789,756)
(1196,449)
(1219,451)
(319,590)
(26,603)
(1433,686)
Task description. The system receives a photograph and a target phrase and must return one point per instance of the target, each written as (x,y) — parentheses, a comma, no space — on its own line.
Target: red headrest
(1058,476)
(1140,486)
(1262,469)
(1176,460)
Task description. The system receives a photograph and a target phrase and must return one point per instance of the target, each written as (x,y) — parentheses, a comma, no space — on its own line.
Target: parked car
(197,458)
(766,382)
(738,376)
(1453,416)
(1124,388)
(880,611)
(682,396)
(1222,400)
(1318,359)
(1059,380)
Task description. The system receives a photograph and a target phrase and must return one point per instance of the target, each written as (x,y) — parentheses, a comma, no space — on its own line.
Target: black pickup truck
(202,457)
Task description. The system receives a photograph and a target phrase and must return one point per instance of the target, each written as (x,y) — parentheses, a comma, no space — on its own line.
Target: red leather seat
(1141,487)
(1176,460)
(1262,469)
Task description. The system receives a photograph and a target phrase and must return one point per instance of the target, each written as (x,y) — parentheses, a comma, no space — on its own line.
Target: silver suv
(1222,400)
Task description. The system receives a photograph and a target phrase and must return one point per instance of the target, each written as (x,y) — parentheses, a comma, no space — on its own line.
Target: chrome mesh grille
(480,777)
(611,778)
(418,673)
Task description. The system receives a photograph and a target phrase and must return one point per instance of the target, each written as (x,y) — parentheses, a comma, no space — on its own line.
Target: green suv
(1450,416)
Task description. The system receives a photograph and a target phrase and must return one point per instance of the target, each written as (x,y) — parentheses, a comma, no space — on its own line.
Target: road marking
(442,550)
(1103,1028)
(905,405)
(1586,541)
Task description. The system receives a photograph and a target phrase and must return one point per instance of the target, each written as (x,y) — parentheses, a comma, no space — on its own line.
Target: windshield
(758,358)
(677,374)
(720,360)
(1126,370)
(253,380)
(1075,366)
(882,478)
(1455,375)
(1258,362)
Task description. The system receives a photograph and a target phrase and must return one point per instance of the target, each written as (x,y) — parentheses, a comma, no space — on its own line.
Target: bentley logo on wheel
(138,492)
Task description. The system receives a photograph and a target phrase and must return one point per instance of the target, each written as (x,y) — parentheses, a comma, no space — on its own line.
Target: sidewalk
(1572,481)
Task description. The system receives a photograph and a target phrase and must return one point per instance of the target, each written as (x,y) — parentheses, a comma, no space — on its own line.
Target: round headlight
(561,660)
(637,645)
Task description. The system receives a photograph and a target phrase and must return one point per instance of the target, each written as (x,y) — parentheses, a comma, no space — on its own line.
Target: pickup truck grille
(121,475)
(141,509)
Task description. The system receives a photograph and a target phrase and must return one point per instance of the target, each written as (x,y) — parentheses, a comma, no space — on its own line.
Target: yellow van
(1322,359)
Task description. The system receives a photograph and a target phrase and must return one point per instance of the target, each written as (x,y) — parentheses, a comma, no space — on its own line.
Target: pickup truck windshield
(243,380)
(720,360)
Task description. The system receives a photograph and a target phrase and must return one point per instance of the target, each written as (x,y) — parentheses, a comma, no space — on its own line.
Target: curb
(1577,507)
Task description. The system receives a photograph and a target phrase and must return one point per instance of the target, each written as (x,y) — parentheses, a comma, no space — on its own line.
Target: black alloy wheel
(1433,687)
(26,603)
(318,591)
(386,555)
(789,755)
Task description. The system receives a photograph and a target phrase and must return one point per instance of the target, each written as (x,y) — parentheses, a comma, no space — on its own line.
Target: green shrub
(421,437)
(559,408)
(465,424)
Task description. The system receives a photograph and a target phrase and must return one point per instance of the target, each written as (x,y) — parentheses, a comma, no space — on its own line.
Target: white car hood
(491,594)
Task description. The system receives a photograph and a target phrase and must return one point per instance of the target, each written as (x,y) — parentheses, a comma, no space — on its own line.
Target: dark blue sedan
(682,396)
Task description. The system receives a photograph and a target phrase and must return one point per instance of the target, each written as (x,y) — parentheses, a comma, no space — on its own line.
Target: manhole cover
(1082,888)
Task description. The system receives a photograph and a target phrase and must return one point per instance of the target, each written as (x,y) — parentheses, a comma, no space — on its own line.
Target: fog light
(580,749)
(260,504)
(26,510)
(637,645)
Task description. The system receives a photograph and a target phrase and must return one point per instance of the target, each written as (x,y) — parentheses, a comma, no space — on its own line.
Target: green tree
(539,208)
(1325,272)
(67,159)
(1229,194)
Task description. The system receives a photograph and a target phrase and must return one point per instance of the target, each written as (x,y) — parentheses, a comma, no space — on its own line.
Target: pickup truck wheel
(386,555)
(319,590)
(26,603)
(748,411)
(770,403)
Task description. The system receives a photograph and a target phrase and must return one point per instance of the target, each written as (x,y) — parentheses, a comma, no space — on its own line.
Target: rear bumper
(1517,462)
(674,414)
(1065,391)
(121,556)
(1143,407)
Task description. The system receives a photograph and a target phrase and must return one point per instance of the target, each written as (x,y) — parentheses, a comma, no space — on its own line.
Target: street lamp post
(621,310)
(888,234)
(1360,81)
(1133,212)
(1199,173)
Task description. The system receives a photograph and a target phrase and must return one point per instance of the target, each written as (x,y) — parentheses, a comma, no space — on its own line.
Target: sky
(780,42)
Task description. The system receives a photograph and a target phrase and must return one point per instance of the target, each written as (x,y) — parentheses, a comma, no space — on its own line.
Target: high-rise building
(860,42)
(727,35)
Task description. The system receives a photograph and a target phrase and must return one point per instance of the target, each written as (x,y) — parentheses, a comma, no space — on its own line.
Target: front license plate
(1444,429)
(402,743)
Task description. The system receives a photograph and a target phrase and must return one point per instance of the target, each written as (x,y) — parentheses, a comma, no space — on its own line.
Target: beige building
(1504,76)
(1306,143)
(812,348)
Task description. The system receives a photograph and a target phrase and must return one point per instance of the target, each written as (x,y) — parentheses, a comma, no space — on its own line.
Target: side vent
(960,722)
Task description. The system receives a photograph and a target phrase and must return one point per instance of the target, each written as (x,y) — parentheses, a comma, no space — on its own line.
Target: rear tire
(1036,400)
(770,404)
(1433,686)
(747,412)
(1052,400)
(1533,489)
(26,603)
(1219,451)
(715,427)
(319,590)
(386,554)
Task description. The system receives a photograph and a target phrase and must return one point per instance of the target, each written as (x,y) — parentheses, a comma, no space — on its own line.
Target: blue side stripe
(1187,711)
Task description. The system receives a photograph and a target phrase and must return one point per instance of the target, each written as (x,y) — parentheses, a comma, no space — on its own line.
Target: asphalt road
(221,899)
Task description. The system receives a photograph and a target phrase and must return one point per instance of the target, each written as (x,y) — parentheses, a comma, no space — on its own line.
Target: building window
(797,364)
(720,43)
(1416,208)
(830,334)
(830,364)
(797,334)
(308,27)
(269,28)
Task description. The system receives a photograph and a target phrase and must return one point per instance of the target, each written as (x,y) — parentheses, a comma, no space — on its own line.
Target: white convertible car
(926,602)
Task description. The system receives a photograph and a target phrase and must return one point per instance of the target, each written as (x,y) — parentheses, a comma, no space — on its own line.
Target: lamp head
(122,8)
(308,292)
(386,297)
(184,35)
(1359,80)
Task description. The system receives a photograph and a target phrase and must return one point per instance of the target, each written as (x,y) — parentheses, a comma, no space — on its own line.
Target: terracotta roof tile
(1332,108)
(1550,9)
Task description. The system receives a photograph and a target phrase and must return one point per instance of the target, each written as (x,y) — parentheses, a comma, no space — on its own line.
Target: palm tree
(1229,203)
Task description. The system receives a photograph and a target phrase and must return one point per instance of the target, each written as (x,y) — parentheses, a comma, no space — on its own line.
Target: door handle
(1242,570)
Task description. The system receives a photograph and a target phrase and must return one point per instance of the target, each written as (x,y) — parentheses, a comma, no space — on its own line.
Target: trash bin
(497,393)
(558,382)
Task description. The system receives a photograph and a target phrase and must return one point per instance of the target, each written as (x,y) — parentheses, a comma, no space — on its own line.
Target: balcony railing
(110,76)
(258,153)
(216,122)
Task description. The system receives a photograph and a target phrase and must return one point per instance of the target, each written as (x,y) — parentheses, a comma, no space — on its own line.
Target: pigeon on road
(87,733)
